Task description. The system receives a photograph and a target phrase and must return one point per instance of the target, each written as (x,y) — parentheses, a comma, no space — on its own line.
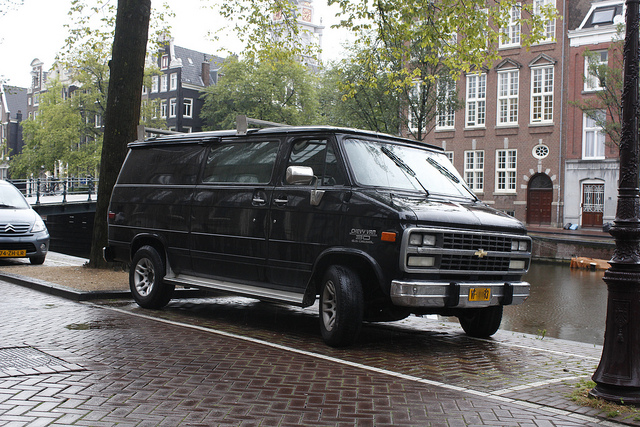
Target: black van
(376,226)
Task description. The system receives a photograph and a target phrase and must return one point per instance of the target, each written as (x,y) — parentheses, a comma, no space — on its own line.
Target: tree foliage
(346,99)
(276,90)
(62,138)
(408,51)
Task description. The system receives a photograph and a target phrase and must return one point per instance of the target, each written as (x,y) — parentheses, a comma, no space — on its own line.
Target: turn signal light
(387,236)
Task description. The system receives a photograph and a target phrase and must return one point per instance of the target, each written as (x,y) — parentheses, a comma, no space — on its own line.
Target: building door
(539,199)
(592,205)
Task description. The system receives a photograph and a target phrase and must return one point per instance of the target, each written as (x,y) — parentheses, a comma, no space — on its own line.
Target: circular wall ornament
(540,151)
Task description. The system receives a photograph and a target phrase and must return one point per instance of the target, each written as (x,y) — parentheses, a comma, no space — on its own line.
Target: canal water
(565,303)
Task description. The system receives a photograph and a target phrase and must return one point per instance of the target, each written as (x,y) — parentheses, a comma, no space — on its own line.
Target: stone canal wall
(561,248)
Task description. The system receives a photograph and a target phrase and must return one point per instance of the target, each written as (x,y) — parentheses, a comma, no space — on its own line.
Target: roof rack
(142,131)
(242,124)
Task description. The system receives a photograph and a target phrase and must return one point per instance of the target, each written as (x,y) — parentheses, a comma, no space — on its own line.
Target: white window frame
(172,107)
(542,88)
(476,101)
(164,83)
(154,84)
(174,81)
(446,119)
(474,170)
(187,108)
(591,82)
(450,155)
(164,62)
(593,138)
(510,36)
(506,170)
(163,108)
(550,25)
(508,95)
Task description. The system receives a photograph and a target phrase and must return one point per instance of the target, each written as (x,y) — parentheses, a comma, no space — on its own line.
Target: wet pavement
(232,361)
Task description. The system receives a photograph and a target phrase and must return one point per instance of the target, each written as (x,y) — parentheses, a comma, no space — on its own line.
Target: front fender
(364,264)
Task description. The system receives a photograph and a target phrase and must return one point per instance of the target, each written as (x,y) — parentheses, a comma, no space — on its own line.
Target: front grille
(450,252)
(471,263)
(11,229)
(470,242)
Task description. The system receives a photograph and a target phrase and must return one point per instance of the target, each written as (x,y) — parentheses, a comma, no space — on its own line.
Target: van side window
(320,156)
(241,162)
(172,165)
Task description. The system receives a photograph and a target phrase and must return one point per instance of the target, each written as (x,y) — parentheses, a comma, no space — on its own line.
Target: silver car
(23,234)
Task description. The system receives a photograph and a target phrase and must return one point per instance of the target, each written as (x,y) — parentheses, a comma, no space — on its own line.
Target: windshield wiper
(444,171)
(403,166)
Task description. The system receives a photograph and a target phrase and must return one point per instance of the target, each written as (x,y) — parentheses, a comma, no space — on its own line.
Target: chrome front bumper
(456,294)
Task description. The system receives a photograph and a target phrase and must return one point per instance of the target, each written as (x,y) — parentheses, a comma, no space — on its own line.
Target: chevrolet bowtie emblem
(481,253)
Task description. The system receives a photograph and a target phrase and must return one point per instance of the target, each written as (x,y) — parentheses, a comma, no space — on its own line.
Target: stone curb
(76,295)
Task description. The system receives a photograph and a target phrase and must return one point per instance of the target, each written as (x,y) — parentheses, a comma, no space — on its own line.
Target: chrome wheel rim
(144,277)
(329,305)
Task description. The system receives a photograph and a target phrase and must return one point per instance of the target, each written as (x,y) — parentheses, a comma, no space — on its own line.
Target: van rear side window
(164,165)
(241,162)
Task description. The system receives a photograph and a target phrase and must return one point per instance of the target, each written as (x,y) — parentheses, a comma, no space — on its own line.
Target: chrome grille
(471,263)
(451,252)
(469,242)
(13,229)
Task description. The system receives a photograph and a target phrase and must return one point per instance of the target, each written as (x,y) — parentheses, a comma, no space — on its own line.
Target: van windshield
(380,164)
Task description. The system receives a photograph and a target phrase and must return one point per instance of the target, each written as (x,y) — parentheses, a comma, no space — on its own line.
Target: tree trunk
(123,108)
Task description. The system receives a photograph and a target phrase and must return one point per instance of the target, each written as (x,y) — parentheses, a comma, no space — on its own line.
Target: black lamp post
(618,375)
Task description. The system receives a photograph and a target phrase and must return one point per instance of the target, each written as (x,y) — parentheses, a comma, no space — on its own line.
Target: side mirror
(299,175)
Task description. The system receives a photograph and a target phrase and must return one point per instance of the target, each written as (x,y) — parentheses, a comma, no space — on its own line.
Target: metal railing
(39,187)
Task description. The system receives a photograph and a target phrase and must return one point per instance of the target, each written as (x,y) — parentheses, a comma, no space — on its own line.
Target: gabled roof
(16,100)
(600,24)
(192,65)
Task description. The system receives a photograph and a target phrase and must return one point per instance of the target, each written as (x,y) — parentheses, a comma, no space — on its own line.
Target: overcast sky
(36,30)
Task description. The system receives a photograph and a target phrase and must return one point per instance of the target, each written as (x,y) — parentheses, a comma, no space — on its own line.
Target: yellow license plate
(479,294)
(12,253)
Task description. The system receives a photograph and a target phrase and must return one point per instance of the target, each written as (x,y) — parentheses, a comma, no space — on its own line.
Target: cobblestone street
(230,361)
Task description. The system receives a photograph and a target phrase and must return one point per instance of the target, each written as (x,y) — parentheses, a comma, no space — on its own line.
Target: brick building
(592,164)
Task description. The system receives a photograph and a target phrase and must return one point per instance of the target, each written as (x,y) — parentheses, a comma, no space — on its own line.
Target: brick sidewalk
(97,366)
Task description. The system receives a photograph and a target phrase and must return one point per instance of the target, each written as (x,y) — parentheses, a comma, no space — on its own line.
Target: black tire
(37,260)
(481,322)
(145,279)
(341,306)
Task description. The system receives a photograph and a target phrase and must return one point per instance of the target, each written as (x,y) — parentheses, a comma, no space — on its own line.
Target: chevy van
(374,226)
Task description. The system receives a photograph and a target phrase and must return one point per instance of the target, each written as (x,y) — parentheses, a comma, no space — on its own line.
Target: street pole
(618,375)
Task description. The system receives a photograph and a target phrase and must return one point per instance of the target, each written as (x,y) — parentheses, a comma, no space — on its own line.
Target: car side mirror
(299,175)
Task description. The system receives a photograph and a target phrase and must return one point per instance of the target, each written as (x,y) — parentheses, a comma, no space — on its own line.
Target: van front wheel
(341,306)
(145,279)
(481,322)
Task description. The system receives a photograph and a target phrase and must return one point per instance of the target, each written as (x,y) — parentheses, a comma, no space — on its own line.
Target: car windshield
(387,165)
(10,198)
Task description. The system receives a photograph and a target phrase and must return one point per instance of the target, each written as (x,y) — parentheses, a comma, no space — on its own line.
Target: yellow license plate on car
(12,253)
(479,294)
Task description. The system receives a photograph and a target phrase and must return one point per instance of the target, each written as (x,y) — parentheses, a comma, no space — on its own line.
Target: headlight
(519,245)
(38,226)
(418,239)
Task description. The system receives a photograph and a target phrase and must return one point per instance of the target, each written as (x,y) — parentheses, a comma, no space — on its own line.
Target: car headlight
(38,226)
(419,239)
(519,245)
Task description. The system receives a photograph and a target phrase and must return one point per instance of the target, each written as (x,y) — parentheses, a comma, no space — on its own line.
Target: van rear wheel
(145,279)
(341,306)
(481,322)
